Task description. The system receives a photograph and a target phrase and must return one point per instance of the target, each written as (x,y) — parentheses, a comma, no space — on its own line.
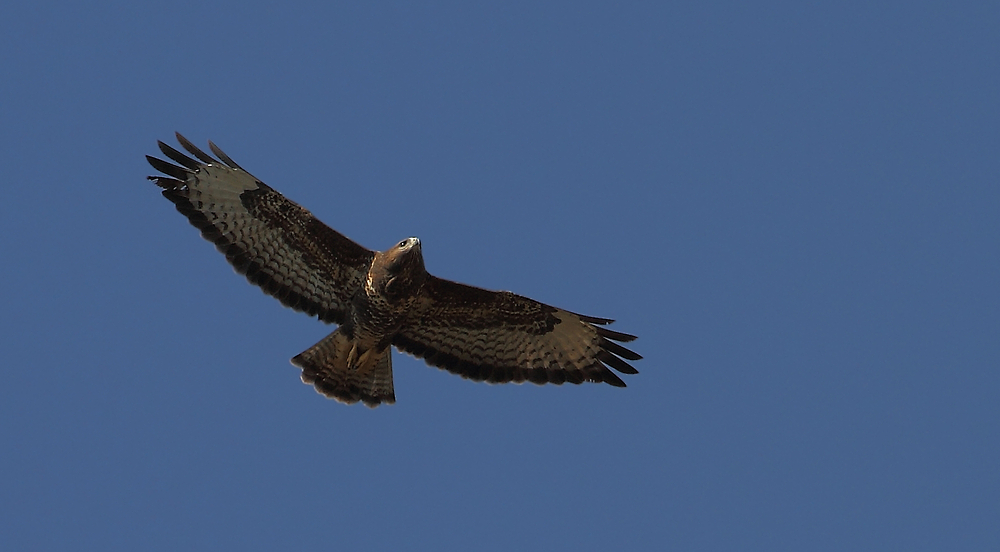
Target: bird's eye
(402,244)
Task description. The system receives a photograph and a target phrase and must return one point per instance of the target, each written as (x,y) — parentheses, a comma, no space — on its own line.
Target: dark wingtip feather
(611,379)
(178,157)
(222,155)
(611,334)
(617,349)
(179,173)
(616,363)
(194,150)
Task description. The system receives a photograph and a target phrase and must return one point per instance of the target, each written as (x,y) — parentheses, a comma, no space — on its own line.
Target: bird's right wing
(274,242)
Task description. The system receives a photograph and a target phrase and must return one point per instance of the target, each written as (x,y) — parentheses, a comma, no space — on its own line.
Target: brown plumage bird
(379,298)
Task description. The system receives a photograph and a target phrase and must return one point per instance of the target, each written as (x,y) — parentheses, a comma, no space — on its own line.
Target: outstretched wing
(274,242)
(502,337)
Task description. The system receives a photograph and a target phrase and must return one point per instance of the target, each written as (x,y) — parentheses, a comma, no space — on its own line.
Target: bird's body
(379,299)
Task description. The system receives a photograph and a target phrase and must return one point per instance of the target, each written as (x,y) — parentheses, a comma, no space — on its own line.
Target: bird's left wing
(500,337)
(274,242)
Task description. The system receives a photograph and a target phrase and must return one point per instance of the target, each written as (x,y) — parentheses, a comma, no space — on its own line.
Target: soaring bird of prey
(379,298)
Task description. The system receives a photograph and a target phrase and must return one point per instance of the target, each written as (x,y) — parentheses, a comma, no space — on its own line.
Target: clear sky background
(793,204)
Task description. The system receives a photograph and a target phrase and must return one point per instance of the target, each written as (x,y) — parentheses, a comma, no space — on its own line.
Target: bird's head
(405,256)
(399,269)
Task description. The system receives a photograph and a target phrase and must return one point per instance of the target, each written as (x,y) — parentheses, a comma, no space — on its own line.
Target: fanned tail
(335,372)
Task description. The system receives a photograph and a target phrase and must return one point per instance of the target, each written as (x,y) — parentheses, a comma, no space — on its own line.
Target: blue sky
(794,205)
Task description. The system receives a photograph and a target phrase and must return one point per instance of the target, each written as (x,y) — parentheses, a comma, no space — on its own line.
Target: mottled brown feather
(276,243)
(502,337)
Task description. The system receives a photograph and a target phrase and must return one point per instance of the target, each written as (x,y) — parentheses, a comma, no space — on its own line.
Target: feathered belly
(376,321)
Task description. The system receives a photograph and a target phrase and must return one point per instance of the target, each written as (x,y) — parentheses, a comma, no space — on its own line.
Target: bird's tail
(336,369)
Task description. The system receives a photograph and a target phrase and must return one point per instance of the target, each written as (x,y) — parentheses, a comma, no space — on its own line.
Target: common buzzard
(379,298)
